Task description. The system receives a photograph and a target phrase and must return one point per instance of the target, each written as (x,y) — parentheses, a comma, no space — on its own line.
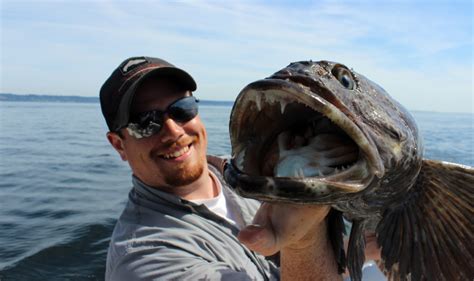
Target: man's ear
(118,143)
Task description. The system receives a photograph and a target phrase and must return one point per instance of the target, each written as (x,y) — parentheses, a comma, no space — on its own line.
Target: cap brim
(123,113)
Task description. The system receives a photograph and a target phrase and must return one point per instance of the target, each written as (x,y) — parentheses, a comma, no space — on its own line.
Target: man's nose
(171,130)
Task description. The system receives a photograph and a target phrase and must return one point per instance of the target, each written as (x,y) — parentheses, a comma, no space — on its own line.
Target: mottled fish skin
(382,192)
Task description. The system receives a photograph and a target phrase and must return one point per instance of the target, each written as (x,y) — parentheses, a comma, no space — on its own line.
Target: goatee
(184,175)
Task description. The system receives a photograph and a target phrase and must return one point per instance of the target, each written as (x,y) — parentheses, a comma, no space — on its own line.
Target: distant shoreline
(78,99)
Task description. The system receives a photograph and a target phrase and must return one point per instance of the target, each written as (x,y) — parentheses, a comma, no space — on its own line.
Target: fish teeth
(301,173)
(258,102)
(283,106)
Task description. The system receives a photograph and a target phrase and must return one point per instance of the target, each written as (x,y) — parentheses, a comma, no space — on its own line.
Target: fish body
(320,133)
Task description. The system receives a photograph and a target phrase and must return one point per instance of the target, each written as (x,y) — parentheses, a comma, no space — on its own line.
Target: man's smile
(178,152)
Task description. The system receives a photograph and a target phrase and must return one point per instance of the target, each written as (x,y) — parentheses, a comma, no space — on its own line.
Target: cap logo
(132,64)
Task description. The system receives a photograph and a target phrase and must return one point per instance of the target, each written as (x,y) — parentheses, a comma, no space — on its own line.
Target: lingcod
(320,133)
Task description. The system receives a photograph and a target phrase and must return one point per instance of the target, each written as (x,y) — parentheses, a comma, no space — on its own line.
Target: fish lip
(370,164)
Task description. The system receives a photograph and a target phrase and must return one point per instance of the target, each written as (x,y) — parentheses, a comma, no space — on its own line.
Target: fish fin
(356,250)
(336,230)
(431,235)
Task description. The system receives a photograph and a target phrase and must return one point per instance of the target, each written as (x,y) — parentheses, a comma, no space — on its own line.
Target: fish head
(317,132)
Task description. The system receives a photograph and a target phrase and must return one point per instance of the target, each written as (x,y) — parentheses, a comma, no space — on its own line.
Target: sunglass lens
(149,123)
(151,117)
(184,109)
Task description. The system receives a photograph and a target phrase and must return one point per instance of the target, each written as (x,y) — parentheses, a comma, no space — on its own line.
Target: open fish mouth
(282,133)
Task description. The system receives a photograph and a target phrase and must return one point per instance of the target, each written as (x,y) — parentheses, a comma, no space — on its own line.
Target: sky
(420,52)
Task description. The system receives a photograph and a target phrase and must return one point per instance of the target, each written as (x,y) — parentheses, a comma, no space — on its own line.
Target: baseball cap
(117,92)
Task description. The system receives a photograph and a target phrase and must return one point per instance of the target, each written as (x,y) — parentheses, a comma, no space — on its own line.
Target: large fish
(320,133)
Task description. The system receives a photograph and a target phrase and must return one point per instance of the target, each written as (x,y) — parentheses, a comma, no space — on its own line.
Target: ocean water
(62,185)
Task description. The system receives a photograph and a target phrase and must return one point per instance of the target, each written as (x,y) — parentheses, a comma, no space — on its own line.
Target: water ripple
(63,186)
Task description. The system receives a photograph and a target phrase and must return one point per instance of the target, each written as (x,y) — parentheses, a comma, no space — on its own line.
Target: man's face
(176,155)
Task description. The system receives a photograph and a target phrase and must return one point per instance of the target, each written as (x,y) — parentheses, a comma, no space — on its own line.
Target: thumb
(259,239)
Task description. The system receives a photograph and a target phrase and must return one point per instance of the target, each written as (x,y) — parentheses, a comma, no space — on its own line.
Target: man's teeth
(176,153)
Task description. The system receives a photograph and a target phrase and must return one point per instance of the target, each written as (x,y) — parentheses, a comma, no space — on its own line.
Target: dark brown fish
(319,133)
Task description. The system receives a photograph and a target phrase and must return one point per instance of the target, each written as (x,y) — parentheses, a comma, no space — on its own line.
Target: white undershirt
(217,204)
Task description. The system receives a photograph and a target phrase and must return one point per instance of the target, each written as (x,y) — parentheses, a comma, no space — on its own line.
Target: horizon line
(96,99)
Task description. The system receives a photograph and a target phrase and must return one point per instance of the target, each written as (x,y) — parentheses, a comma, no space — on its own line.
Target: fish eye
(346,81)
(344,77)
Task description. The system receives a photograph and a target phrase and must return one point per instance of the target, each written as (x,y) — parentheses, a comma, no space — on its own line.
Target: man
(182,222)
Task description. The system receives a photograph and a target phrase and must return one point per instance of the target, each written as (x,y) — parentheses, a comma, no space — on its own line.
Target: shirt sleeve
(165,263)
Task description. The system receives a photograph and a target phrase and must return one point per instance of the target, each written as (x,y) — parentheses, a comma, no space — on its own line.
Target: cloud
(227,45)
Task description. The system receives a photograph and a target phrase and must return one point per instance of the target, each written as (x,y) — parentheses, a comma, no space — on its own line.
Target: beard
(184,175)
(177,175)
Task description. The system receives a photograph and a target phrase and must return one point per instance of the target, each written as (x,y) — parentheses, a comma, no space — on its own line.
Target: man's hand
(299,233)
(278,226)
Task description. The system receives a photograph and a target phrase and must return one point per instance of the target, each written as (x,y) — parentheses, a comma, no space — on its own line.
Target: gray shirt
(160,236)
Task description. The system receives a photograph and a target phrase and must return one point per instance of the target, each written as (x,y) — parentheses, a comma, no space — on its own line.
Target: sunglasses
(147,124)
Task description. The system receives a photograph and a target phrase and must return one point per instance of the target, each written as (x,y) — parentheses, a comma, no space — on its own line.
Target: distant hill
(47,98)
(79,99)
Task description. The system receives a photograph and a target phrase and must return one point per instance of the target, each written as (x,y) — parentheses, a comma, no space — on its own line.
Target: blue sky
(419,51)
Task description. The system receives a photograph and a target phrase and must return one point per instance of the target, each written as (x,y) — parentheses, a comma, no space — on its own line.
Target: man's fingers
(260,236)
